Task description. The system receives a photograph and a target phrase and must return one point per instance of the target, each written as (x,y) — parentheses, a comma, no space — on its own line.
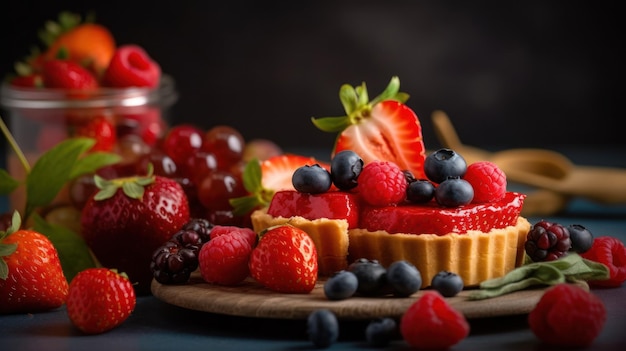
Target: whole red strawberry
(131,66)
(63,74)
(99,300)
(129,218)
(384,128)
(31,277)
(285,260)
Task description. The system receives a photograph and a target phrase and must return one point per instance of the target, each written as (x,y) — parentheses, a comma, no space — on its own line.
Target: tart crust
(329,235)
(476,256)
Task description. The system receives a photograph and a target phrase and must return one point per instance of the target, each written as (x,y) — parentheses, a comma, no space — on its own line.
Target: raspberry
(382,183)
(249,234)
(488,181)
(224,259)
(567,315)
(547,241)
(431,323)
(611,252)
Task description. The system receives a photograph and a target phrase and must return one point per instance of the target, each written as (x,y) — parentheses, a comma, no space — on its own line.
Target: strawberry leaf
(7,183)
(356,103)
(72,249)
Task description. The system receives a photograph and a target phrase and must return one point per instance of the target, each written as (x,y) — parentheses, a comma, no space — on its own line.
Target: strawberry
(101,129)
(32,80)
(31,277)
(382,129)
(99,300)
(131,66)
(264,178)
(285,260)
(63,74)
(89,44)
(278,170)
(129,218)
(434,219)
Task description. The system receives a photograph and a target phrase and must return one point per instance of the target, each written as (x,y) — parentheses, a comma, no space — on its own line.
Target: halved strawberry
(382,129)
(264,178)
(277,171)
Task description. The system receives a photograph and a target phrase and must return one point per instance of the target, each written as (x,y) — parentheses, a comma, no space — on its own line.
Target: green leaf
(73,252)
(7,183)
(51,171)
(92,162)
(133,190)
(244,204)
(252,176)
(331,124)
(349,98)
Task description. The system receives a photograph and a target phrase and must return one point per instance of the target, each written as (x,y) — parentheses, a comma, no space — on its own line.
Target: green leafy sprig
(44,180)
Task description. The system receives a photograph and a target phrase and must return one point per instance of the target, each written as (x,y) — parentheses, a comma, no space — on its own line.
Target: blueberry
(420,191)
(311,179)
(448,284)
(581,238)
(404,278)
(444,163)
(345,168)
(341,285)
(322,328)
(379,332)
(454,192)
(372,276)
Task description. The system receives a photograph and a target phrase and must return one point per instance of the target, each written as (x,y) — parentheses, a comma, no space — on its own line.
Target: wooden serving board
(250,299)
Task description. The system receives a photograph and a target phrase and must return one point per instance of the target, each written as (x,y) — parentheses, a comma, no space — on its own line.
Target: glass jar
(41,118)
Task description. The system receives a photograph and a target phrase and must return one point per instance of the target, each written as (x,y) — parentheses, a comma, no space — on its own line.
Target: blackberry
(311,179)
(448,284)
(547,241)
(341,285)
(345,168)
(201,226)
(173,262)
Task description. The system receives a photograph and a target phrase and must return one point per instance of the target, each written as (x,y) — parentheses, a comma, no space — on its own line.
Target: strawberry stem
(14,145)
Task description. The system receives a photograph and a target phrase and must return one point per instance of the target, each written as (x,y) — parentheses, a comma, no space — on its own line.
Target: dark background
(509,74)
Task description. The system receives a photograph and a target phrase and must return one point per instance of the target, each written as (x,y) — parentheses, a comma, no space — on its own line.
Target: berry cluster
(365,277)
(548,241)
(173,262)
(380,183)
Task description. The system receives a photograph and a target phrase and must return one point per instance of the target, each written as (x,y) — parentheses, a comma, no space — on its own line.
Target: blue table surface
(156,325)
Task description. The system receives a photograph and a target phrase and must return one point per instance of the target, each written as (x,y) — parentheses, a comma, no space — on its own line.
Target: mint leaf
(92,162)
(58,166)
(51,171)
(7,183)
(73,252)
(252,176)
